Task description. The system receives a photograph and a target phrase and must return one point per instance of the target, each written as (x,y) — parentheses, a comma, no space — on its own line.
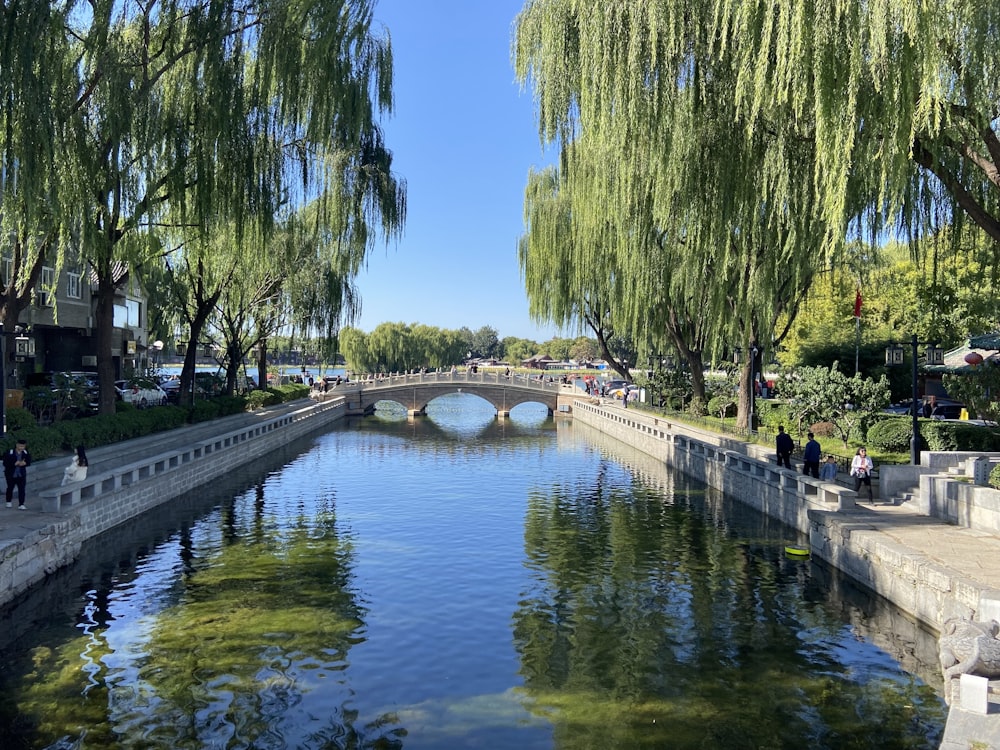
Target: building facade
(59,333)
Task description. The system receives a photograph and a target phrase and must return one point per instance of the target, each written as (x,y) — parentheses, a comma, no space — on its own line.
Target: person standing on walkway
(15,470)
(811,456)
(861,470)
(77,469)
(784,446)
(625,397)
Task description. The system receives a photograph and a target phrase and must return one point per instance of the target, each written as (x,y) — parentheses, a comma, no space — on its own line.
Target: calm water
(457,582)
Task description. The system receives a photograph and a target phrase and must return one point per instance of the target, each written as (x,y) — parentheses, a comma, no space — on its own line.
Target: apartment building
(60,334)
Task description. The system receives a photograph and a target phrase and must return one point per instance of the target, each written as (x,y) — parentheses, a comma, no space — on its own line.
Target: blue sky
(463,136)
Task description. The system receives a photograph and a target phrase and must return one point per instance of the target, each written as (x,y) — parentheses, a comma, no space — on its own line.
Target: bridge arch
(415,391)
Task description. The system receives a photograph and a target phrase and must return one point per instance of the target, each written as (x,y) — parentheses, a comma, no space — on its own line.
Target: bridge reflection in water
(414,391)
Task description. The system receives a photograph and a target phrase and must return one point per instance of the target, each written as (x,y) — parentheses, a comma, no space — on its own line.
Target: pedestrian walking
(784,446)
(15,470)
(861,470)
(811,456)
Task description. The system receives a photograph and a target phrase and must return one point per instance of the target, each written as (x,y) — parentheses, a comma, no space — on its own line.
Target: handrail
(95,485)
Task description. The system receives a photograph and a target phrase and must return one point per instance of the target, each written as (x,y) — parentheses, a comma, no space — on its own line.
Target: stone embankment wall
(112,498)
(819,511)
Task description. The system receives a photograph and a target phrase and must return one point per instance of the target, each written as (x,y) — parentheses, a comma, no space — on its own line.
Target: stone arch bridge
(415,391)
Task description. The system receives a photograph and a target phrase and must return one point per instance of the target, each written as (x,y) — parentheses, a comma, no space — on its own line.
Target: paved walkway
(43,475)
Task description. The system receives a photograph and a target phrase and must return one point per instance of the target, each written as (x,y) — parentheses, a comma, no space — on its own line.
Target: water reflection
(455,581)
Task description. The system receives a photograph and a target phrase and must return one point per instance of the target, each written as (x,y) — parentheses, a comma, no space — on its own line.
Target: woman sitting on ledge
(77,469)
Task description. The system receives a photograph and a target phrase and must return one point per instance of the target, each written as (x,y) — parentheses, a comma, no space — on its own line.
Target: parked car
(619,392)
(947,410)
(140,392)
(903,407)
(79,391)
(206,384)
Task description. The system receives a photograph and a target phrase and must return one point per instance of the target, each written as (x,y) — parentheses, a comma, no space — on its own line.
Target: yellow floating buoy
(797,551)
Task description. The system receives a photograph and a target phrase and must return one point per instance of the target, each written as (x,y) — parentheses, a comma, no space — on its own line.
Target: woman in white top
(861,470)
(77,469)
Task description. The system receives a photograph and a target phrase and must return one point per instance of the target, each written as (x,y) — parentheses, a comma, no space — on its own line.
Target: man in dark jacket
(811,455)
(15,470)
(783,447)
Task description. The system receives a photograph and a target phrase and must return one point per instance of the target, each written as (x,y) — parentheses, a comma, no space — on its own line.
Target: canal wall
(107,499)
(819,511)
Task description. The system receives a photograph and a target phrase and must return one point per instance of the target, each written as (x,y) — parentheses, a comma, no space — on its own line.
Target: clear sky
(463,136)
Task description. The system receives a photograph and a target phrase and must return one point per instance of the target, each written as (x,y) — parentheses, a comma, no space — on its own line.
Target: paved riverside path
(43,475)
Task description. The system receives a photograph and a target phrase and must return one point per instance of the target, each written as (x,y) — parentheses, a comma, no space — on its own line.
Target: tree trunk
(197,326)
(104,324)
(262,365)
(749,372)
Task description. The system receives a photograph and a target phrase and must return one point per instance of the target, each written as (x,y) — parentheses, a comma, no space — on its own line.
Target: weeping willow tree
(571,279)
(169,114)
(711,215)
(34,66)
(769,133)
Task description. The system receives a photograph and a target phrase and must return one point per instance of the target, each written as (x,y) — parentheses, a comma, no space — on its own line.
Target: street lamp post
(894,356)
(25,347)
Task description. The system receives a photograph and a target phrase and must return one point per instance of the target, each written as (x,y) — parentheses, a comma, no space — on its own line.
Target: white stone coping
(57,499)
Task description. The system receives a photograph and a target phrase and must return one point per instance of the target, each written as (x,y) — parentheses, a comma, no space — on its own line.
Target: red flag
(857,304)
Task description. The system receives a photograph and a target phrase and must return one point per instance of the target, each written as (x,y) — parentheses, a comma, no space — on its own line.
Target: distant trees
(396,347)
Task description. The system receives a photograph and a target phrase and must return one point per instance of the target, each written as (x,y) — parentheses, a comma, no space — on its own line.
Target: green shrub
(42,442)
(231,405)
(20,419)
(203,410)
(995,477)
(291,391)
(258,399)
(696,407)
(958,436)
(721,406)
(890,435)
(773,414)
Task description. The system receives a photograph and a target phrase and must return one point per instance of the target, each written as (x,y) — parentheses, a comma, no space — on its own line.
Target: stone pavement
(970,553)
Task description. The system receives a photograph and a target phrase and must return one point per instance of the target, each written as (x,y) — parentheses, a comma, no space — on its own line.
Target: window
(73,285)
(127,315)
(7,270)
(46,284)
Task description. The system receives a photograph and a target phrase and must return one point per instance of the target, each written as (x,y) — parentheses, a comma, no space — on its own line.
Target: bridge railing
(485,377)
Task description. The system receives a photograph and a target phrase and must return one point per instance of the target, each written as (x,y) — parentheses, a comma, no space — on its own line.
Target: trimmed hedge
(892,435)
(127,423)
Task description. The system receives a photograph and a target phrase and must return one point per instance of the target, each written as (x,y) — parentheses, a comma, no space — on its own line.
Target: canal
(459,582)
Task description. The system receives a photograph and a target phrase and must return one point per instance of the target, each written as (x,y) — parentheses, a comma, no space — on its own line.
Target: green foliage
(890,435)
(291,392)
(978,389)
(995,477)
(203,410)
(828,395)
(722,406)
(258,399)
(696,407)
(771,413)
(958,436)
(19,419)
(42,441)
